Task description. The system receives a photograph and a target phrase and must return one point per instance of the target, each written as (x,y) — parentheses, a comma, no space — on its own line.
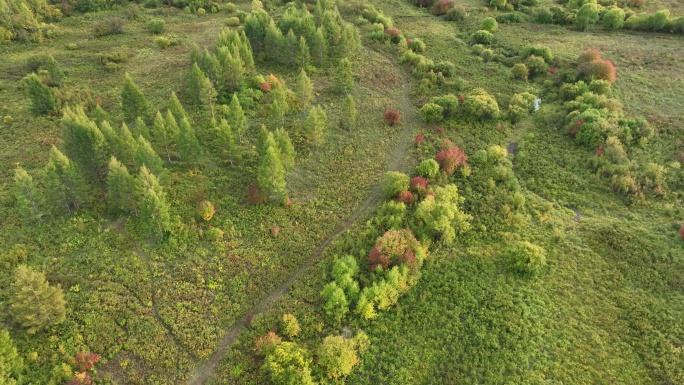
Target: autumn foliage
(591,65)
(681,232)
(451,159)
(405,197)
(392,117)
(206,210)
(254,195)
(392,247)
(419,139)
(86,361)
(265,86)
(442,6)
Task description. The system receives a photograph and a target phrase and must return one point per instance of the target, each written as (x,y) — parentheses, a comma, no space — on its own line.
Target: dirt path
(398,161)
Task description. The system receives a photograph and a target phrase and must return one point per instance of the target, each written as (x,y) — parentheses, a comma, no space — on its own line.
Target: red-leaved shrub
(267,342)
(418,183)
(405,197)
(391,247)
(442,6)
(409,259)
(419,139)
(451,159)
(553,70)
(265,86)
(375,259)
(392,117)
(590,64)
(85,361)
(589,55)
(461,97)
(393,32)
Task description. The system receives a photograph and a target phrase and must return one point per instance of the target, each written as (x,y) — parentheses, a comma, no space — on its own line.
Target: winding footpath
(398,161)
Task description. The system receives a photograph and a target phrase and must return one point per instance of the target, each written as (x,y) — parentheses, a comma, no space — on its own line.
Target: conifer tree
(304,90)
(54,71)
(316,124)
(350,42)
(11,363)
(303,53)
(349,112)
(109,136)
(195,54)
(133,101)
(318,47)
(233,73)
(273,42)
(264,139)
(146,156)
(271,176)
(171,131)
(211,66)
(99,115)
(64,186)
(146,180)
(140,128)
(43,102)
(163,135)
(85,143)
(34,303)
(246,51)
(226,139)
(280,106)
(188,146)
(26,194)
(290,48)
(176,107)
(344,77)
(154,214)
(237,118)
(198,85)
(255,29)
(125,145)
(120,188)
(286,149)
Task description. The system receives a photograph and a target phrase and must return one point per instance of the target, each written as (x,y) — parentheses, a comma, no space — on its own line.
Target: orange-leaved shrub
(451,159)
(591,65)
(405,197)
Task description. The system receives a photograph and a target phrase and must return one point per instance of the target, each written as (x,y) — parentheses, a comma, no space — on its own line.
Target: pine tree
(237,118)
(146,156)
(85,143)
(54,71)
(286,149)
(43,102)
(120,188)
(280,106)
(35,304)
(26,194)
(304,90)
(176,107)
(271,176)
(154,214)
(318,47)
(227,139)
(344,77)
(316,124)
(197,85)
(133,101)
(188,146)
(99,115)
(11,363)
(140,128)
(64,186)
(349,112)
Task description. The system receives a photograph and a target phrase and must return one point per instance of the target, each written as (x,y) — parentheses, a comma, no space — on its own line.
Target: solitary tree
(133,102)
(316,124)
(34,303)
(349,112)
(43,101)
(26,194)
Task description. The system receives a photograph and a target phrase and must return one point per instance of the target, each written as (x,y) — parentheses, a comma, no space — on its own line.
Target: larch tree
(120,188)
(154,214)
(349,112)
(27,196)
(85,143)
(11,363)
(133,101)
(226,139)
(316,124)
(271,176)
(162,134)
(99,115)
(125,145)
(140,128)
(287,151)
(176,107)
(280,105)
(146,156)
(233,73)
(343,80)
(318,47)
(237,118)
(54,71)
(43,102)
(171,131)
(303,54)
(303,90)
(34,303)
(189,147)
(64,186)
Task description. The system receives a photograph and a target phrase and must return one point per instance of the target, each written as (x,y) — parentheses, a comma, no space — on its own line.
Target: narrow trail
(398,160)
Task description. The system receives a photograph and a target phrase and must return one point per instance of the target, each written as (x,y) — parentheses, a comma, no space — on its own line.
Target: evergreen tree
(85,143)
(316,124)
(11,364)
(125,145)
(54,71)
(154,214)
(211,66)
(271,176)
(120,188)
(189,148)
(146,180)
(176,107)
(133,101)
(264,139)
(146,156)
(43,102)
(246,51)
(99,115)
(280,106)
(255,29)
(140,128)
(171,131)
(198,85)
(349,112)
(27,196)
(226,139)
(237,118)
(195,54)
(304,90)
(344,77)
(233,73)
(163,135)
(290,49)
(350,43)
(286,149)
(273,42)
(34,303)
(64,186)
(303,53)
(318,47)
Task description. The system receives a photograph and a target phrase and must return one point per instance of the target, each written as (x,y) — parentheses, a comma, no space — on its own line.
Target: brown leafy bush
(442,6)
(109,26)
(405,197)
(392,117)
(451,159)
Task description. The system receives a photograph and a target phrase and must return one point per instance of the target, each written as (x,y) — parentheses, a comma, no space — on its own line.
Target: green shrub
(526,258)
(162,42)
(537,50)
(290,325)
(337,356)
(482,37)
(109,26)
(536,65)
(520,71)
(439,216)
(417,45)
(72,46)
(156,26)
(479,104)
(487,55)
(394,182)
(456,13)
(498,4)
(229,7)
(432,113)
(614,19)
(429,168)
(600,87)
(232,21)
(214,234)
(586,15)
(543,16)
(489,24)
(511,18)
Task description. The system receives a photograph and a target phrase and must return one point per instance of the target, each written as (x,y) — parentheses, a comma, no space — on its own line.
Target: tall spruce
(27,196)
(287,151)
(198,85)
(237,118)
(133,101)
(65,189)
(120,188)
(43,102)
(35,304)
(146,156)
(303,90)
(189,147)
(271,177)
